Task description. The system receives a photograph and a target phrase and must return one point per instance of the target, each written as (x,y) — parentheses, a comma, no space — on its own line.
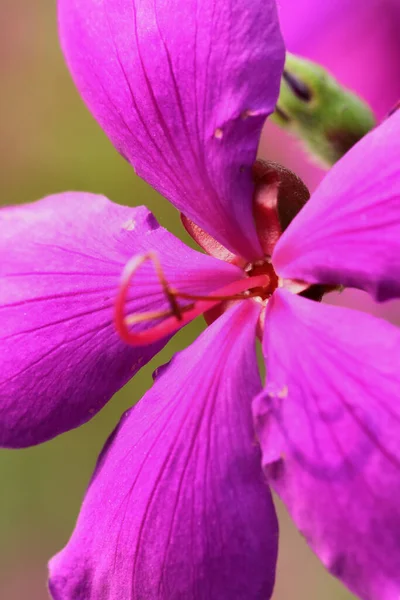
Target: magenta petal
(182,88)
(61,264)
(349,231)
(329,426)
(178,508)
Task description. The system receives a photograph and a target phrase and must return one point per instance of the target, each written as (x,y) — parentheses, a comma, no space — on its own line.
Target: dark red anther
(279,196)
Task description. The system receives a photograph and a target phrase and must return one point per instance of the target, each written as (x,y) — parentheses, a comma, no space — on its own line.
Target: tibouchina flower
(178,507)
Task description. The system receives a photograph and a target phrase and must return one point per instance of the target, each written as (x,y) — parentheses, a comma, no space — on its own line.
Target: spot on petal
(247,113)
(129,225)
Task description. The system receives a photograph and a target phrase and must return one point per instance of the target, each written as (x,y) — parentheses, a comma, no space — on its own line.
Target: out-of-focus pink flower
(358,41)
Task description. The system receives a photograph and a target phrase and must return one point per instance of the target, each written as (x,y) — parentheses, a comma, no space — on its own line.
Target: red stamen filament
(178,315)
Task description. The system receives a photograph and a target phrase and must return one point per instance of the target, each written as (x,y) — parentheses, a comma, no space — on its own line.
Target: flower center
(263,267)
(279,195)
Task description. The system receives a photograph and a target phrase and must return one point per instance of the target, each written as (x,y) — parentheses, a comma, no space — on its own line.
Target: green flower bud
(328,118)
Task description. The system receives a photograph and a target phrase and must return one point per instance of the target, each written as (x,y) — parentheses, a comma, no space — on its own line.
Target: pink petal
(61,359)
(329,426)
(178,507)
(182,89)
(349,231)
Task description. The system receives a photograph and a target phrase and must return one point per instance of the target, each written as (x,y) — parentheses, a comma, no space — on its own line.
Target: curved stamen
(178,315)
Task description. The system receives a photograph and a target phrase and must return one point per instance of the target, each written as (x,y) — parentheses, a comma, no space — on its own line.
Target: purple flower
(178,506)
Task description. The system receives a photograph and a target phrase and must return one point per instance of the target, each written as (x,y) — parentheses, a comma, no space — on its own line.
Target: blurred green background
(50,143)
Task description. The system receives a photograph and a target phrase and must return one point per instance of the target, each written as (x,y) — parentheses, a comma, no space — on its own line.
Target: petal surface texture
(349,231)
(329,426)
(178,508)
(60,269)
(182,88)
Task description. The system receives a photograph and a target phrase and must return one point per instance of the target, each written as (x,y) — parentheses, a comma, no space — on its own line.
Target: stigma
(258,283)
